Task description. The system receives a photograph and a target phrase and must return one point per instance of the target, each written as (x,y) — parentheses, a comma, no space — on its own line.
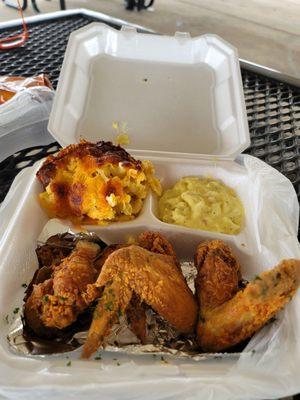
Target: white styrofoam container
(183,104)
(177,95)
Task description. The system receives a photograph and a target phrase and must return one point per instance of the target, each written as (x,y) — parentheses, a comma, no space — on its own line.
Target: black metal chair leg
(34,6)
(62,4)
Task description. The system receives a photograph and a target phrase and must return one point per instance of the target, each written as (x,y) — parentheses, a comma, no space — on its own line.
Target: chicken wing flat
(157,281)
(136,310)
(56,302)
(218,275)
(237,319)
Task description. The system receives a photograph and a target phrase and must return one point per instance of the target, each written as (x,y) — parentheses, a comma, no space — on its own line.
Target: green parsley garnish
(257,277)
(16,310)
(118,363)
(6,319)
(109,306)
(62,298)
(98,358)
(45,299)
(69,363)
(24,285)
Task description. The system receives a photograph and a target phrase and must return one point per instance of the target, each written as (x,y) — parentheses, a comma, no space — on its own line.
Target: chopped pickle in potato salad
(202,203)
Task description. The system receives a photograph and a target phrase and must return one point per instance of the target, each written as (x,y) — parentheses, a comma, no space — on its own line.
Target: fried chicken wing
(157,243)
(56,302)
(157,281)
(136,310)
(218,275)
(238,318)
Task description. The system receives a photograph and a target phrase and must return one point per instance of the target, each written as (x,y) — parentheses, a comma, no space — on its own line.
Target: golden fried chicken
(136,310)
(58,301)
(218,275)
(157,243)
(240,317)
(157,281)
(95,183)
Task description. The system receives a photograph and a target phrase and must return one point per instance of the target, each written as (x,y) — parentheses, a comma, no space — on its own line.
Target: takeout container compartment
(184,239)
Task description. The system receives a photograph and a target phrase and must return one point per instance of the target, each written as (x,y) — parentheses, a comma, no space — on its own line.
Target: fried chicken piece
(239,318)
(136,315)
(157,281)
(218,275)
(58,301)
(136,311)
(157,243)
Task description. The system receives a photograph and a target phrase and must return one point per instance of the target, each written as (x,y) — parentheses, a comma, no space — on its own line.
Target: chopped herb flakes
(6,319)
(45,299)
(98,358)
(118,363)
(257,278)
(24,285)
(16,310)
(109,306)
(62,298)
(69,363)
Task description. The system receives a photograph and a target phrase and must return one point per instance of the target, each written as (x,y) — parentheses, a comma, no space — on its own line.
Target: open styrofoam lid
(174,94)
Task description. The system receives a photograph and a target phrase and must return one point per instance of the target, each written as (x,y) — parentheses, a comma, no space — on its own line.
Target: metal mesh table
(273,107)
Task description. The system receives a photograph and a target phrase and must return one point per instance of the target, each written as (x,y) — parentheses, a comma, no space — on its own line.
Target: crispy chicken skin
(58,301)
(157,243)
(157,281)
(218,275)
(237,319)
(136,310)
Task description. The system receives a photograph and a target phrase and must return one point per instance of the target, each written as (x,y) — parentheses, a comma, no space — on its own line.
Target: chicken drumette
(57,302)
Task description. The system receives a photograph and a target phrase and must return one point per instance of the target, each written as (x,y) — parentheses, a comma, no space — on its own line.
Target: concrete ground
(266,32)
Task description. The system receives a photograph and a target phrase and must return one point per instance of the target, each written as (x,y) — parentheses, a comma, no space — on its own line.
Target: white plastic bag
(24,119)
(268,368)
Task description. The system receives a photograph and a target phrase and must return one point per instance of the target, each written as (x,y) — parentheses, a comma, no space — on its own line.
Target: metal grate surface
(273,107)
(45,49)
